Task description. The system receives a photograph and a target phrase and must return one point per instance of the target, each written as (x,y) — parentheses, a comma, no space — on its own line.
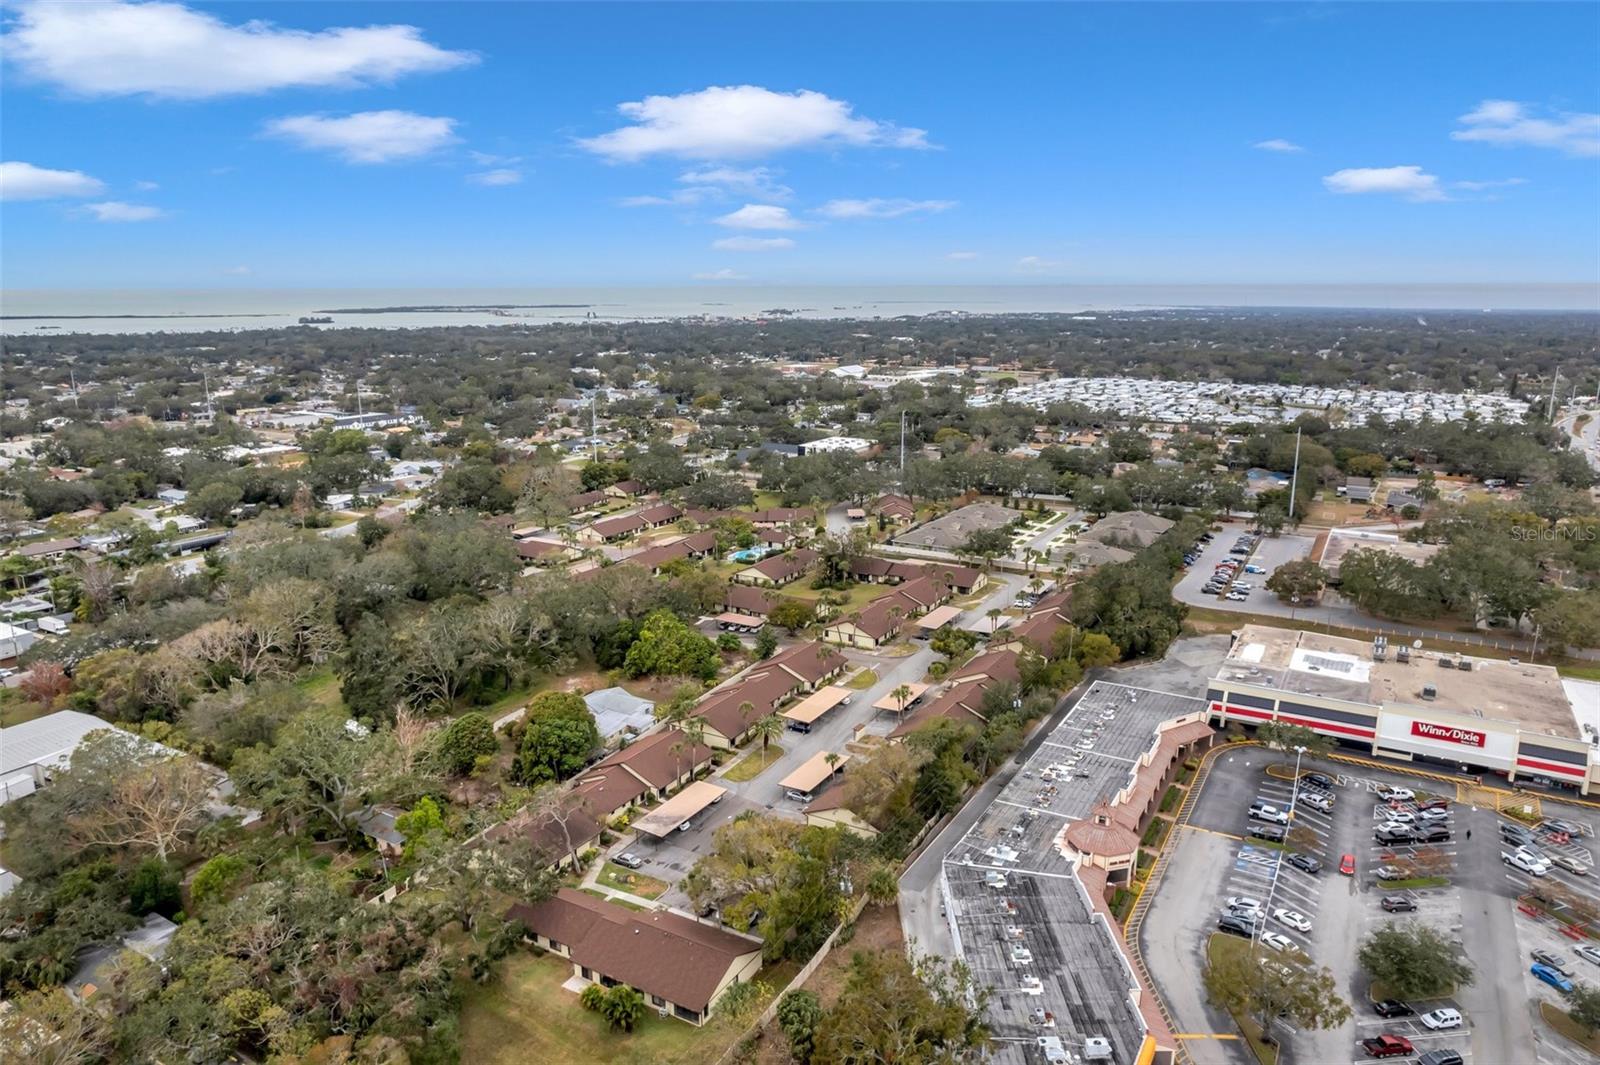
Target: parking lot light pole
(1277,868)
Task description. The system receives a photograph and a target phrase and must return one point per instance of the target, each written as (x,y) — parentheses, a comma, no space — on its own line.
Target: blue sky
(473,144)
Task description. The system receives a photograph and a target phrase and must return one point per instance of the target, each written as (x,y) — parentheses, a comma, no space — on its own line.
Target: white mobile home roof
(48,740)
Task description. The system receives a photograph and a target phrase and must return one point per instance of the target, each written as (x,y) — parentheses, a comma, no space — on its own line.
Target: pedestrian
(1469,833)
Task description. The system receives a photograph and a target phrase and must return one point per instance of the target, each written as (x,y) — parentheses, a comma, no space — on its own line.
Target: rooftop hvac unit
(1445,663)
(1465,663)
(1403,655)
(1429,691)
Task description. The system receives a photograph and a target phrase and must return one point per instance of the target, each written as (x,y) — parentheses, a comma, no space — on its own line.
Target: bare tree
(49,1028)
(553,806)
(156,806)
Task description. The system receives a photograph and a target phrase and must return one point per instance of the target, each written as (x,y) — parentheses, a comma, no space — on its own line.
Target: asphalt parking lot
(1217,859)
(1270,553)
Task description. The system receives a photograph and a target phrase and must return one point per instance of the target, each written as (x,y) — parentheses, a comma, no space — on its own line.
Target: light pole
(1272,888)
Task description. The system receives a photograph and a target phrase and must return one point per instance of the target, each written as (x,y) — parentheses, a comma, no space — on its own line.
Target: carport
(808,711)
(812,775)
(743,622)
(938,618)
(889,703)
(671,815)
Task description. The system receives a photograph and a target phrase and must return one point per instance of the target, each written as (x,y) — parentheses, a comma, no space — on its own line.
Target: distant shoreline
(464,308)
(91,317)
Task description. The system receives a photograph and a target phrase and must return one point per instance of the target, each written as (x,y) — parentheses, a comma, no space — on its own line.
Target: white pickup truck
(1527,861)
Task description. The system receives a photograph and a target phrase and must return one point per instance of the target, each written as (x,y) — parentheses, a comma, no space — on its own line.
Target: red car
(1434,804)
(1347,865)
(1388,1046)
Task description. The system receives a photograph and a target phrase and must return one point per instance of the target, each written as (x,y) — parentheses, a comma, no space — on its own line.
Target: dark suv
(1237,925)
(1392,1007)
(1441,1057)
(1432,834)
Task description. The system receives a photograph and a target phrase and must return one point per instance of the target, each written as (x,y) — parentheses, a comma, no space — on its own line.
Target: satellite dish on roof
(1417,644)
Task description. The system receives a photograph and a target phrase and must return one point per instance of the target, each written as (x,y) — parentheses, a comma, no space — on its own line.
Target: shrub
(154,888)
(592,997)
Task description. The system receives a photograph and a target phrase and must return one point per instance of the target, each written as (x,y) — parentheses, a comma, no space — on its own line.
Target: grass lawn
(855,597)
(1220,946)
(525,1016)
(615,876)
(753,764)
(1562,1022)
(14,710)
(862,680)
(322,688)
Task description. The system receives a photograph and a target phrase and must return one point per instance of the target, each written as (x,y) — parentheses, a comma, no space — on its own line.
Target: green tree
(793,614)
(1583,1006)
(766,642)
(1096,649)
(154,888)
(1414,961)
(799,1013)
(1288,737)
(558,738)
(214,879)
(465,740)
(1301,580)
(893,1011)
(623,1008)
(212,502)
(669,648)
(1306,997)
(766,728)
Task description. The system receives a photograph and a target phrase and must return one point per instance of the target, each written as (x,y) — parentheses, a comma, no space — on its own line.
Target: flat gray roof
(1087,981)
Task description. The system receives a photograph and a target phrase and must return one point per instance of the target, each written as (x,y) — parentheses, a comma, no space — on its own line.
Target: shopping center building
(1396,701)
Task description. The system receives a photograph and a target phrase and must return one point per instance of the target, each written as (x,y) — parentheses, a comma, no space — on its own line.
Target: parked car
(1390,872)
(1551,960)
(1515,834)
(1441,1019)
(1317,780)
(1347,864)
(1434,814)
(1270,833)
(629,860)
(1551,977)
(1432,834)
(1434,804)
(1305,863)
(1263,811)
(1529,862)
(1566,828)
(1236,926)
(1441,1056)
(1277,941)
(1404,817)
(1392,1007)
(1392,834)
(1292,919)
(1243,902)
(1317,801)
(1570,864)
(1386,791)
(1388,1046)
(1588,953)
(1397,904)
(1238,597)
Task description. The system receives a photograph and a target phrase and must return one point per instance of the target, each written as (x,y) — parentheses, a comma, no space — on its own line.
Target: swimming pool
(749,554)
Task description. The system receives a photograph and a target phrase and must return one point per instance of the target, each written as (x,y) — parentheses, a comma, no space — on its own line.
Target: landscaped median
(1220,949)
(753,764)
(1562,1021)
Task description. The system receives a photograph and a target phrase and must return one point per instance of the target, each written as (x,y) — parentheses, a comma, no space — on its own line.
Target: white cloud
(687,197)
(497,177)
(489,159)
(1483,186)
(116,211)
(1278,144)
(759,216)
(961,256)
(1410,182)
(1035,264)
(1507,123)
(368,136)
(237,271)
(752,243)
(24,181)
(755,181)
(168,50)
(743,121)
(719,275)
(882,208)
(146,186)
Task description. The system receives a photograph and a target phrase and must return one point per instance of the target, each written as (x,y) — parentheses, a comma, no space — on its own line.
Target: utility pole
(1294,478)
(902,445)
(73,374)
(205,377)
(594,437)
(1550,405)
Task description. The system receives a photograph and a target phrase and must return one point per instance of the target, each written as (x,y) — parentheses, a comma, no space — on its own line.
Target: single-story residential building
(377,823)
(607,530)
(829,811)
(747,599)
(681,965)
(812,663)
(778,570)
(617,711)
(625,489)
(660,514)
(547,836)
(763,688)
(773,516)
(652,761)
(1359,489)
(896,509)
(544,552)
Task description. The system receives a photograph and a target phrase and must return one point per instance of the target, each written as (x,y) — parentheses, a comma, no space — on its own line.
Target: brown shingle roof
(763,688)
(786,567)
(658,952)
(660,512)
(1000,665)
(651,758)
(609,527)
(809,661)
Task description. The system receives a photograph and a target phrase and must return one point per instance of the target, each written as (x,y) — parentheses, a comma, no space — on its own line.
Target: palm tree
(677,750)
(768,728)
(747,710)
(994,620)
(901,696)
(694,734)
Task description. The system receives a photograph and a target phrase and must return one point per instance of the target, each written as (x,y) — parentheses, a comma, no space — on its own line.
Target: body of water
(43,311)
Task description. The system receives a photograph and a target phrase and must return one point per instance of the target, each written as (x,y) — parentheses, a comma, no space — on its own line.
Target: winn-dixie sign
(1447,733)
